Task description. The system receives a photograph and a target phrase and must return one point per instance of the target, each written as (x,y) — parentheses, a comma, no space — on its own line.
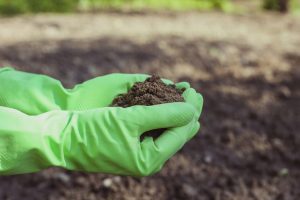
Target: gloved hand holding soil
(152,91)
(98,126)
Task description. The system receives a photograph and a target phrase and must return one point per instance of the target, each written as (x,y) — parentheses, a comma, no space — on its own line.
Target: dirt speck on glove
(152,91)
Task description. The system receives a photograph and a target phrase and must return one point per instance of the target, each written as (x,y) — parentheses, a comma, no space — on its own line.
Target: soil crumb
(152,91)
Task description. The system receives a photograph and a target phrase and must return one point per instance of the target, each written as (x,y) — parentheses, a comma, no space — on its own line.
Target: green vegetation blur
(12,7)
(281,5)
(33,6)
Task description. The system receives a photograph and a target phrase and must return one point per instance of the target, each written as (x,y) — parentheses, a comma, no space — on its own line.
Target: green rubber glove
(98,140)
(35,94)
(32,143)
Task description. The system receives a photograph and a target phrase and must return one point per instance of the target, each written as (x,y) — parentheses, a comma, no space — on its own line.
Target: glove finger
(167,81)
(173,140)
(182,85)
(194,131)
(159,116)
(170,142)
(195,99)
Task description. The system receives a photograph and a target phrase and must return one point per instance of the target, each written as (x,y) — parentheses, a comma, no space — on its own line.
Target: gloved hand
(35,94)
(99,140)
(96,140)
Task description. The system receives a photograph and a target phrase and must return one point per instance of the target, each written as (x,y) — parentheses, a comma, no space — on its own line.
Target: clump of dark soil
(152,91)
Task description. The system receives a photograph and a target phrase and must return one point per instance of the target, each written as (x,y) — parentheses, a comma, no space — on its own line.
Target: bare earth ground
(247,68)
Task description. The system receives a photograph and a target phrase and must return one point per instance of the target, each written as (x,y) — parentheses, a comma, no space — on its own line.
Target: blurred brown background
(246,65)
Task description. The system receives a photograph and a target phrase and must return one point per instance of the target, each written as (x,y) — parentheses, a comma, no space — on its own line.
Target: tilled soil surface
(246,67)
